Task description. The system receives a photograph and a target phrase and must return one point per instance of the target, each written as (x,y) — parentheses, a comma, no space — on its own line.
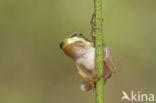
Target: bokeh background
(33,69)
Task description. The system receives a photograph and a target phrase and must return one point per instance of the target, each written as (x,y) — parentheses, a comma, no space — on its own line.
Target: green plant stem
(99,50)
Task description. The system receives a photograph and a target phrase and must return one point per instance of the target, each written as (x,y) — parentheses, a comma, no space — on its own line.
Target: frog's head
(75,45)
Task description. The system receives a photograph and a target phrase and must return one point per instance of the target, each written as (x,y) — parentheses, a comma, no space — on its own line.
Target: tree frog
(82,51)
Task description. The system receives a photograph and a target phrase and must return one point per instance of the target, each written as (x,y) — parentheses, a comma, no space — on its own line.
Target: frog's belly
(88,60)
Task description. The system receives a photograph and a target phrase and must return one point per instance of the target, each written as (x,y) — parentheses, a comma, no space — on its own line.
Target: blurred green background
(33,69)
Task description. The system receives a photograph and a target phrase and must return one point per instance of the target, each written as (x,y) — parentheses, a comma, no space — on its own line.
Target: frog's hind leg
(85,86)
(108,59)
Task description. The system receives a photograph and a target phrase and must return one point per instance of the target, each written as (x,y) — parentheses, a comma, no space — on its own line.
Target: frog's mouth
(61,45)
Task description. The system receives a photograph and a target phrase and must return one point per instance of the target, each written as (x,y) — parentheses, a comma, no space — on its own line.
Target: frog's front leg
(92,23)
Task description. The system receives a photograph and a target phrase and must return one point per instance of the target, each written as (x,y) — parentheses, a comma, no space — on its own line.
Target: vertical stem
(99,50)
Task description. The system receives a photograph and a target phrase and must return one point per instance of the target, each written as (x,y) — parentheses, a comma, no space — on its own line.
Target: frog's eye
(79,35)
(76,35)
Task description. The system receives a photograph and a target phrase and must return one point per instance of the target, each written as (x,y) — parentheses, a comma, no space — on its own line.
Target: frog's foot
(86,86)
(96,78)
